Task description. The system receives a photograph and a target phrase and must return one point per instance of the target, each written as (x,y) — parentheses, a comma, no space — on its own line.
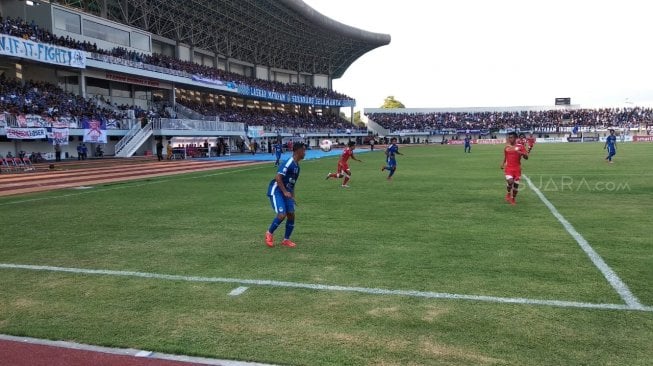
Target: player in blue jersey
(391,161)
(468,144)
(278,149)
(281,191)
(611,145)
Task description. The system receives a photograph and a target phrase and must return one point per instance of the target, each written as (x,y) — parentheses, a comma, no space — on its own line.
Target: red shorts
(343,167)
(512,173)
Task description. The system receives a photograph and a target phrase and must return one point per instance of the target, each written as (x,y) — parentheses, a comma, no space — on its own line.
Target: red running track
(27,354)
(24,351)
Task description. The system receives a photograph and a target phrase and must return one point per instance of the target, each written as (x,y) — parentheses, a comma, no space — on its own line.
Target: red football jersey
(512,157)
(530,141)
(521,141)
(346,154)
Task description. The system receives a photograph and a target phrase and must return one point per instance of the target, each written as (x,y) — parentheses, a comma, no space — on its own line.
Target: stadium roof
(285,34)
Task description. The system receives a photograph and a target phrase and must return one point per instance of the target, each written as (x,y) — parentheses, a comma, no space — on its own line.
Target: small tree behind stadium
(390,102)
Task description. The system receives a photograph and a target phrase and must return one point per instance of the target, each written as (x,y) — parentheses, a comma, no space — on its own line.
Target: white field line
(238,291)
(309,286)
(141,184)
(608,273)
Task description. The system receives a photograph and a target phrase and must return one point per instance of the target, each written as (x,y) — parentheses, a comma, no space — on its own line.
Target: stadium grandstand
(122,75)
(564,123)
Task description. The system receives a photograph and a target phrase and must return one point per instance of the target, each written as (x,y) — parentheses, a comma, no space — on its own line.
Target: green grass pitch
(440,226)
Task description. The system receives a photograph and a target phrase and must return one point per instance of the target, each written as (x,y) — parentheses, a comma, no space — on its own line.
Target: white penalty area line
(309,286)
(614,280)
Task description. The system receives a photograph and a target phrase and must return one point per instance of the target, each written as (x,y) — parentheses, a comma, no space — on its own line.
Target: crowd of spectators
(19,28)
(271,120)
(225,76)
(139,112)
(548,120)
(48,100)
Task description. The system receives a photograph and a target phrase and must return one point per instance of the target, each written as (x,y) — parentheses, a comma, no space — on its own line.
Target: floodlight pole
(351,114)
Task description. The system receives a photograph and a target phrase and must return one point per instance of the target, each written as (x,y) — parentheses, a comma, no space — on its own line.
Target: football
(325,145)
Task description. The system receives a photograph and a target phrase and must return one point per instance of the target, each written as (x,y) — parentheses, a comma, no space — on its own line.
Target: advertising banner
(95,131)
(205,80)
(22,133)
(479,141)
(489,141)
(42,52)
(292,98)
(647,138)
(58,135)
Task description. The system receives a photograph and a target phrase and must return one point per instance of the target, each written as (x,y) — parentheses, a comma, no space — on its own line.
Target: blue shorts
(392,163)
(281,204)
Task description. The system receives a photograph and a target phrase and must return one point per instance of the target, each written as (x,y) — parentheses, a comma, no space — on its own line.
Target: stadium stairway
(133,141)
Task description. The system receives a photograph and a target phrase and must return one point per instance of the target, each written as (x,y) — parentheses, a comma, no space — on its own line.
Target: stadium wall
(183,52)
(321,81)
(262,72)
(86,27)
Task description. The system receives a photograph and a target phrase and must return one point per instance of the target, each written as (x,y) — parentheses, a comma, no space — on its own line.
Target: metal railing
(192,124)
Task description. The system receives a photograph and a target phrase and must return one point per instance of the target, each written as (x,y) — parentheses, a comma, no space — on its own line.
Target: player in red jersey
(521,140)
(530,141)
(511,166)
(343,166)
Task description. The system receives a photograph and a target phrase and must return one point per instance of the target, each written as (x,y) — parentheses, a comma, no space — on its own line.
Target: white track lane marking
(364,290)
(607,272)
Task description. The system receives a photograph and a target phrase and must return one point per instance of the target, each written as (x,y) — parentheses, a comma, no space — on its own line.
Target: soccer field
(433,268)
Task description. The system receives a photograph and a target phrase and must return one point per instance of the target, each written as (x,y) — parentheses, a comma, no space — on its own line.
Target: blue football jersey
(391,150)
(611,141)
(289,170)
